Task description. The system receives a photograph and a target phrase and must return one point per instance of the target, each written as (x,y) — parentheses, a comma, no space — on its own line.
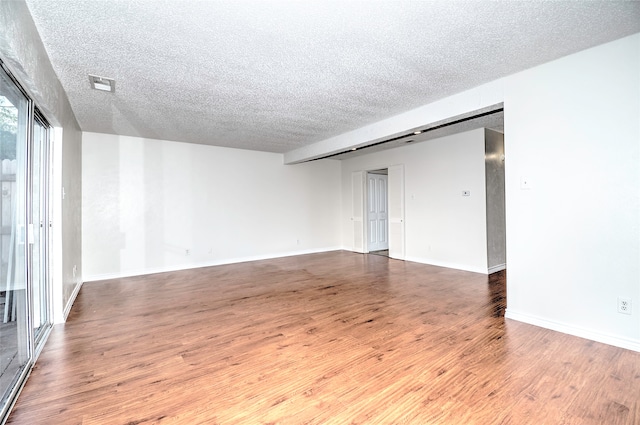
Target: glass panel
(14,333)
(39,275)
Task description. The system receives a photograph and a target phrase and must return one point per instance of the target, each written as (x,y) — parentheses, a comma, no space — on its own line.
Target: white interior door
(377,214)
(396,212)
(357,210)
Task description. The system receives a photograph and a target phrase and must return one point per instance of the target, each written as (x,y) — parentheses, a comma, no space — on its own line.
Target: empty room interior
(261,212)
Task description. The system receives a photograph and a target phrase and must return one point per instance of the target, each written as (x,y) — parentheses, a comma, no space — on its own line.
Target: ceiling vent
(102,83)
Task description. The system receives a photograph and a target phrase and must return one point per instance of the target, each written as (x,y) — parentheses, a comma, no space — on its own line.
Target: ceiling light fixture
(102,83)
(417,132)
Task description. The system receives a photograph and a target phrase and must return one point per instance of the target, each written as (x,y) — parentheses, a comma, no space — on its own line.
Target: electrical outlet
(624,305)
(187,252)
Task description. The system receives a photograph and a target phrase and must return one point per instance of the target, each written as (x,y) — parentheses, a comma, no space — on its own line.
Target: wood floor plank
(331,338)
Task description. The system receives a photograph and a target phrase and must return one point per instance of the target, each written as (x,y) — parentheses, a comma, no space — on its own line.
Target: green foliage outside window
(8,129)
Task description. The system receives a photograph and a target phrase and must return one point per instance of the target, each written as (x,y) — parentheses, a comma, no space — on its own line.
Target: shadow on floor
(384,252)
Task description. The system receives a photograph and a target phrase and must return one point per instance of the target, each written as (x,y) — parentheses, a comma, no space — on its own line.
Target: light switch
(466,193)
(525,183)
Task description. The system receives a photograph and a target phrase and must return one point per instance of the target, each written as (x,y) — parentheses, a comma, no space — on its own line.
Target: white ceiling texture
(278,75)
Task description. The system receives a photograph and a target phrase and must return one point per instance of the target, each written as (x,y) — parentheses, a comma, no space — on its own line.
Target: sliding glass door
(16,348)
(24,237)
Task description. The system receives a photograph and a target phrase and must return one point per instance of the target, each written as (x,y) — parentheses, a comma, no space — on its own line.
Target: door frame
(43,228)
(395,203)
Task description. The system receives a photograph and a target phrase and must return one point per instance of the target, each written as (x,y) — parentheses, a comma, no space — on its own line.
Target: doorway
(395,207)
(378,212)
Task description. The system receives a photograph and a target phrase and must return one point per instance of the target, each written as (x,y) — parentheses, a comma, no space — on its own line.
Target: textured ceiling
(278,75)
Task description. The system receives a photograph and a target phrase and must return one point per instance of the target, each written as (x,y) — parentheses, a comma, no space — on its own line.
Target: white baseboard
(616,341)
(497,268)
(177,267)
(70,301)
(449,265)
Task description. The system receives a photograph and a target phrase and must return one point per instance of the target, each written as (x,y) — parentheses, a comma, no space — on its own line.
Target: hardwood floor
(332,338)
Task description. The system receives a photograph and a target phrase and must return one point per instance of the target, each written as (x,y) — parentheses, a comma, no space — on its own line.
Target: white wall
(442,227)
(146,202)
(572,127)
